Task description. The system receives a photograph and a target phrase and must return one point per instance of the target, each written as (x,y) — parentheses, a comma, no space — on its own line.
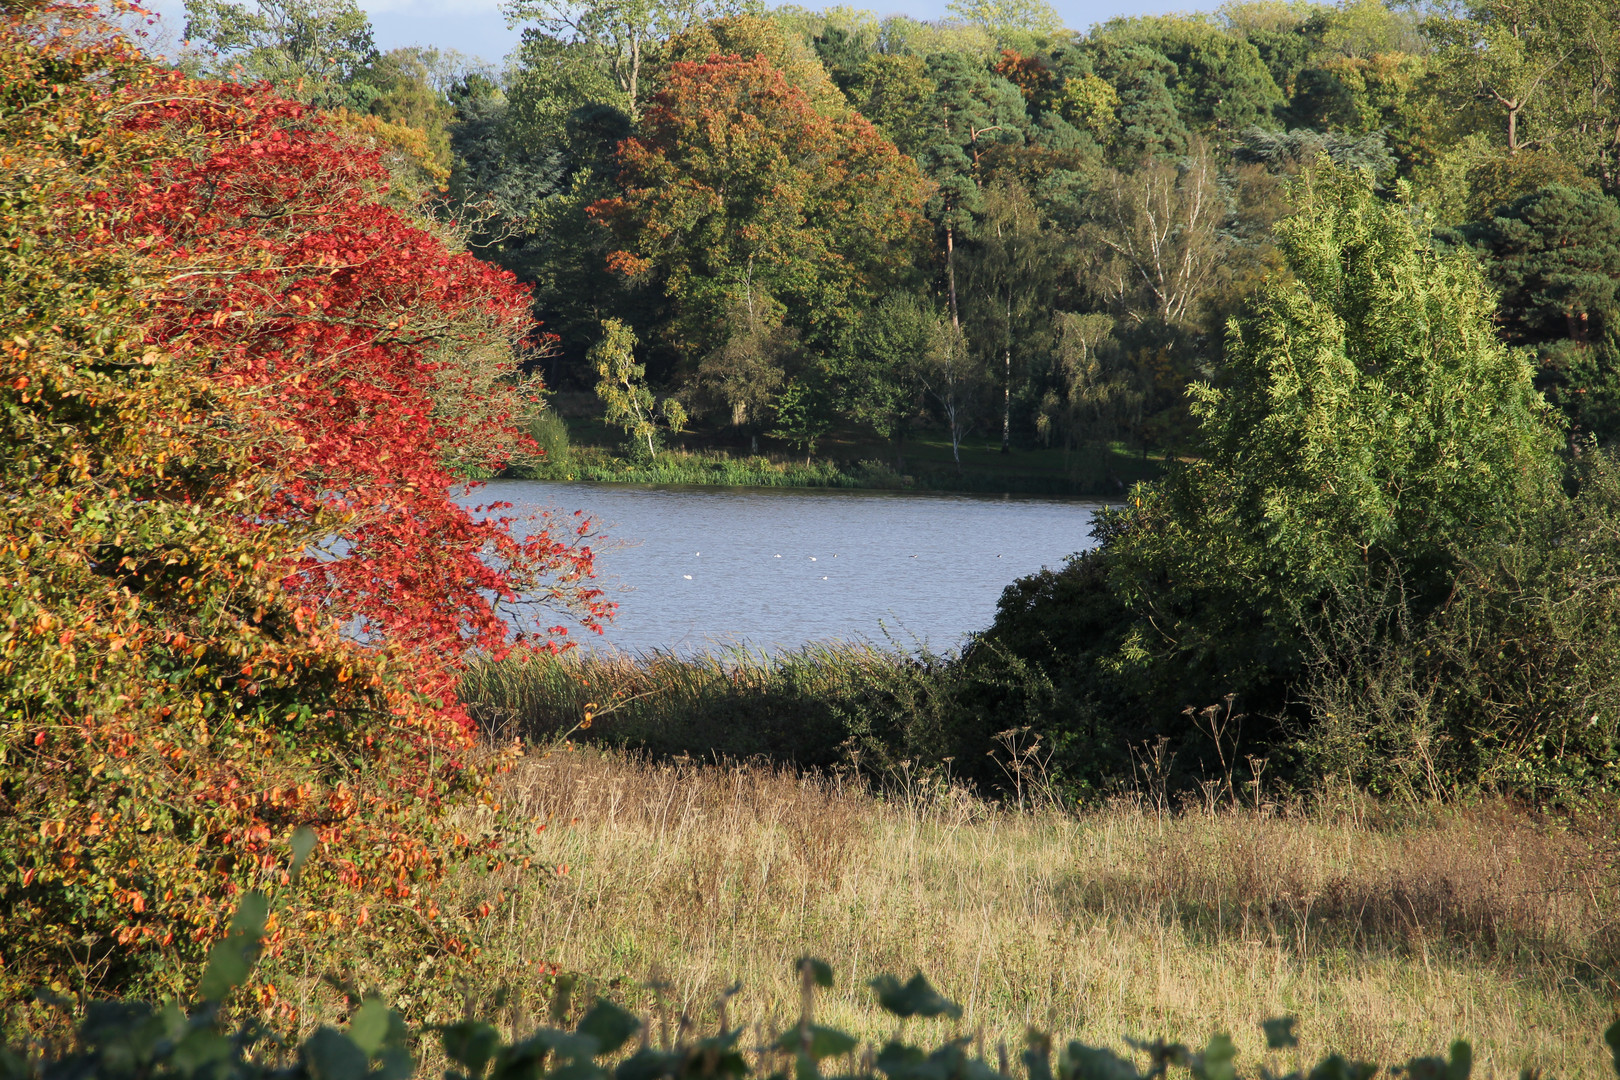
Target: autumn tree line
(789,221)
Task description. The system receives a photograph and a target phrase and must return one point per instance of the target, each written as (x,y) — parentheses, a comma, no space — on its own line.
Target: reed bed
(821,706)
(1387,931)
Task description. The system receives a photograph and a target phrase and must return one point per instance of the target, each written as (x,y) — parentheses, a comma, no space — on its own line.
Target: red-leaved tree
(381,361)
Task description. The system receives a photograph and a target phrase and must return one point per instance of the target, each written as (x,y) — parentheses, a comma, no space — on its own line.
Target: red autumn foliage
(368,346)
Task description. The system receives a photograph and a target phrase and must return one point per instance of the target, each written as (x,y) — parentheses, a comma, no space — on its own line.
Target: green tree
(620,34)
(1368,416)
(1013,274)
(1216,78)
(744,372)
(1555,256)
(411,86)
(972,110)
(622,386)
(802,416)
(1147,121)
(1154,238)
(313,49)
(1507,55)
(1095,397)
(1005,18)
(895,93)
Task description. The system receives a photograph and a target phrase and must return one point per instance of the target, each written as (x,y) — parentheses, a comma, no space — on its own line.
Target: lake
(697,569)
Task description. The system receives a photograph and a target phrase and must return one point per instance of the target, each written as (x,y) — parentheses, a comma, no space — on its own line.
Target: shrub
(817,707)
(237,590)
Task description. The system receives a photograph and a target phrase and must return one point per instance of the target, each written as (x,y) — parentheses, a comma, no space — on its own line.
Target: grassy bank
(579,446)
(1385,930)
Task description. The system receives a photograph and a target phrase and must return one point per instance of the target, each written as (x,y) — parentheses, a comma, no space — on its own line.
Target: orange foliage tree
(739,190)
(235,388)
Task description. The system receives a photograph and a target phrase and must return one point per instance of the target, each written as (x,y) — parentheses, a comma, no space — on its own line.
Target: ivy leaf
(609,1025)
(1279,1032)
(915,998)
(824,1042)
(1216,1062)
(231,959)
(470,1044)
(370,1027)
(332,1055)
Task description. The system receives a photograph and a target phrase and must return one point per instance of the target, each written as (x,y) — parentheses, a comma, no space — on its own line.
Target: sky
(477,27)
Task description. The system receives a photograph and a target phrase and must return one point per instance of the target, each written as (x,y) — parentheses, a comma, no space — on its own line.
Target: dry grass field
(1387,931)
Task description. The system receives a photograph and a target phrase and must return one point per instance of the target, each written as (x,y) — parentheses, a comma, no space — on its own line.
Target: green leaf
(397,1064)
(331,1055)
(820,971)
(1279,1032)
(824,1042)
(1337,1067)
(1216,1062)
(13,1067)
(609,1025)
(648,1064)
(231,959)
(303,842)
(1080,1062)
(915,998)
(1462,1061)
(200,1048)
(579,1069)
(369,1027)
(470,1044)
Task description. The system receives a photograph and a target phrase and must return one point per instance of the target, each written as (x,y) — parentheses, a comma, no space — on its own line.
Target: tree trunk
(1006,402)
(950,273)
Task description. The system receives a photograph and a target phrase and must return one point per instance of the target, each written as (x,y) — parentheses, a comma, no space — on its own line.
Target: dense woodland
(788,221)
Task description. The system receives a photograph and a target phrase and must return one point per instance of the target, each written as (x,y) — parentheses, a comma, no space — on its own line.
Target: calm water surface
(696,569)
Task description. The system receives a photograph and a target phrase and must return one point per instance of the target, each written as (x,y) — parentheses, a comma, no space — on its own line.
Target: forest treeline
(784,222)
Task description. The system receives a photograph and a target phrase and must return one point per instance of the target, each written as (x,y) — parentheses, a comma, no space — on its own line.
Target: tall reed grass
(822,705)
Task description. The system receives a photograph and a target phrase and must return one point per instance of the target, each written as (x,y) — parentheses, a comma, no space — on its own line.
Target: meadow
(1387,930)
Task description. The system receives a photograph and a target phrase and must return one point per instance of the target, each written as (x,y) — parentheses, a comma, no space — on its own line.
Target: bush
(1513,683)
(1372,569)
(550,434)
(199,528)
